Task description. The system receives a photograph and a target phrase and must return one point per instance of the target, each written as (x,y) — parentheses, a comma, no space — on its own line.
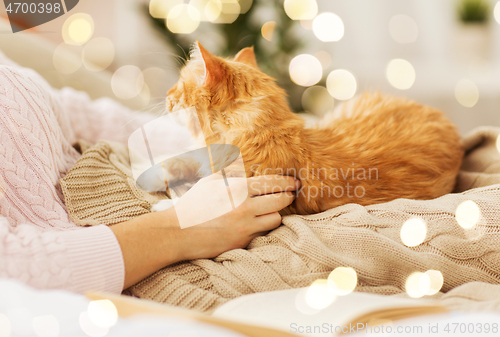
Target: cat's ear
(213,68)
(247,56)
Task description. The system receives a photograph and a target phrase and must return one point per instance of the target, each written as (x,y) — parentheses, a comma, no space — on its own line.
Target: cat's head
(228,94)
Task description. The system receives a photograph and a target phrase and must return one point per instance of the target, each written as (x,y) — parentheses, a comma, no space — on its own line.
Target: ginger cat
(378,149)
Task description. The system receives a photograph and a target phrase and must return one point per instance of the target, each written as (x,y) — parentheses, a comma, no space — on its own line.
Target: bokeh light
(343,280)
(341,84)
(145,95)
(317,100)
(301,9)
(496,12)
(467,214)
(301,304)
(245,5)
(5,326)
(103,313)
(66,58)
(324,58)
(417,285)
(154,76)
(436,281)
(305,70)
(127,82)
(230,11)
(222,11)
(268,30)
(98,54)
(403,29)
(201,6)
(152,95)
(307,24)
(319,295)
(413,232)
(90,328)
(160,8)
(46,326)
(400,74)
(183,19)
(213,10)
(328,27)
(466,93)
(78,29)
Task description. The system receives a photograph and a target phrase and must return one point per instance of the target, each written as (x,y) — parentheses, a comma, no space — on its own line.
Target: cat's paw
(182,168)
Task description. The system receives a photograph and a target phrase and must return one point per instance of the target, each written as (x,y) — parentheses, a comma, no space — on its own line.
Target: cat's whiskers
(181,61)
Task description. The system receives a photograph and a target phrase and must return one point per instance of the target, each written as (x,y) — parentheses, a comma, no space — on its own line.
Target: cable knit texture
(39,244)
(100,189)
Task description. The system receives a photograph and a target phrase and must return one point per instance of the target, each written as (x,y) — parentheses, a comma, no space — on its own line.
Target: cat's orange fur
(405,149)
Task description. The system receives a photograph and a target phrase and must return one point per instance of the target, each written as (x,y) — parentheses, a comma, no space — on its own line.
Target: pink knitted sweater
(39,244)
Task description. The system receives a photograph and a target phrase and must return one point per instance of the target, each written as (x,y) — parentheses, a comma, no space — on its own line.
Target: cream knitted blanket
(99,189)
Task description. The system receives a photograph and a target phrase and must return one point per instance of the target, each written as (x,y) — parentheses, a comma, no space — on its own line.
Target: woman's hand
(155,240)
(256,214)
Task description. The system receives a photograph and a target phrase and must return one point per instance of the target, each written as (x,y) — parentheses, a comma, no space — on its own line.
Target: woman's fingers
(266,223)
(270,203)
(260,185)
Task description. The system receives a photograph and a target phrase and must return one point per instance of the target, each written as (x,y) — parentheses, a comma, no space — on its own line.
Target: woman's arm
(78,260)
(39,244)
(155,240)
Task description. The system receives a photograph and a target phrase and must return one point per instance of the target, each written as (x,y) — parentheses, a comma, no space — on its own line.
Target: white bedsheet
(27,312)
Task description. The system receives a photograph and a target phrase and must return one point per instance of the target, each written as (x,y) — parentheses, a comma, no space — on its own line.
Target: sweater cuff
(95,260)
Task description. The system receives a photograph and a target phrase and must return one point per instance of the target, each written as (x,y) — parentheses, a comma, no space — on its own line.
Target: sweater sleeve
(104,118)
(78,260)
(39,244)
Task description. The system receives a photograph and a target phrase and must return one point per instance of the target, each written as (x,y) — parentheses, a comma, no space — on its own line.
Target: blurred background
(443,53)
